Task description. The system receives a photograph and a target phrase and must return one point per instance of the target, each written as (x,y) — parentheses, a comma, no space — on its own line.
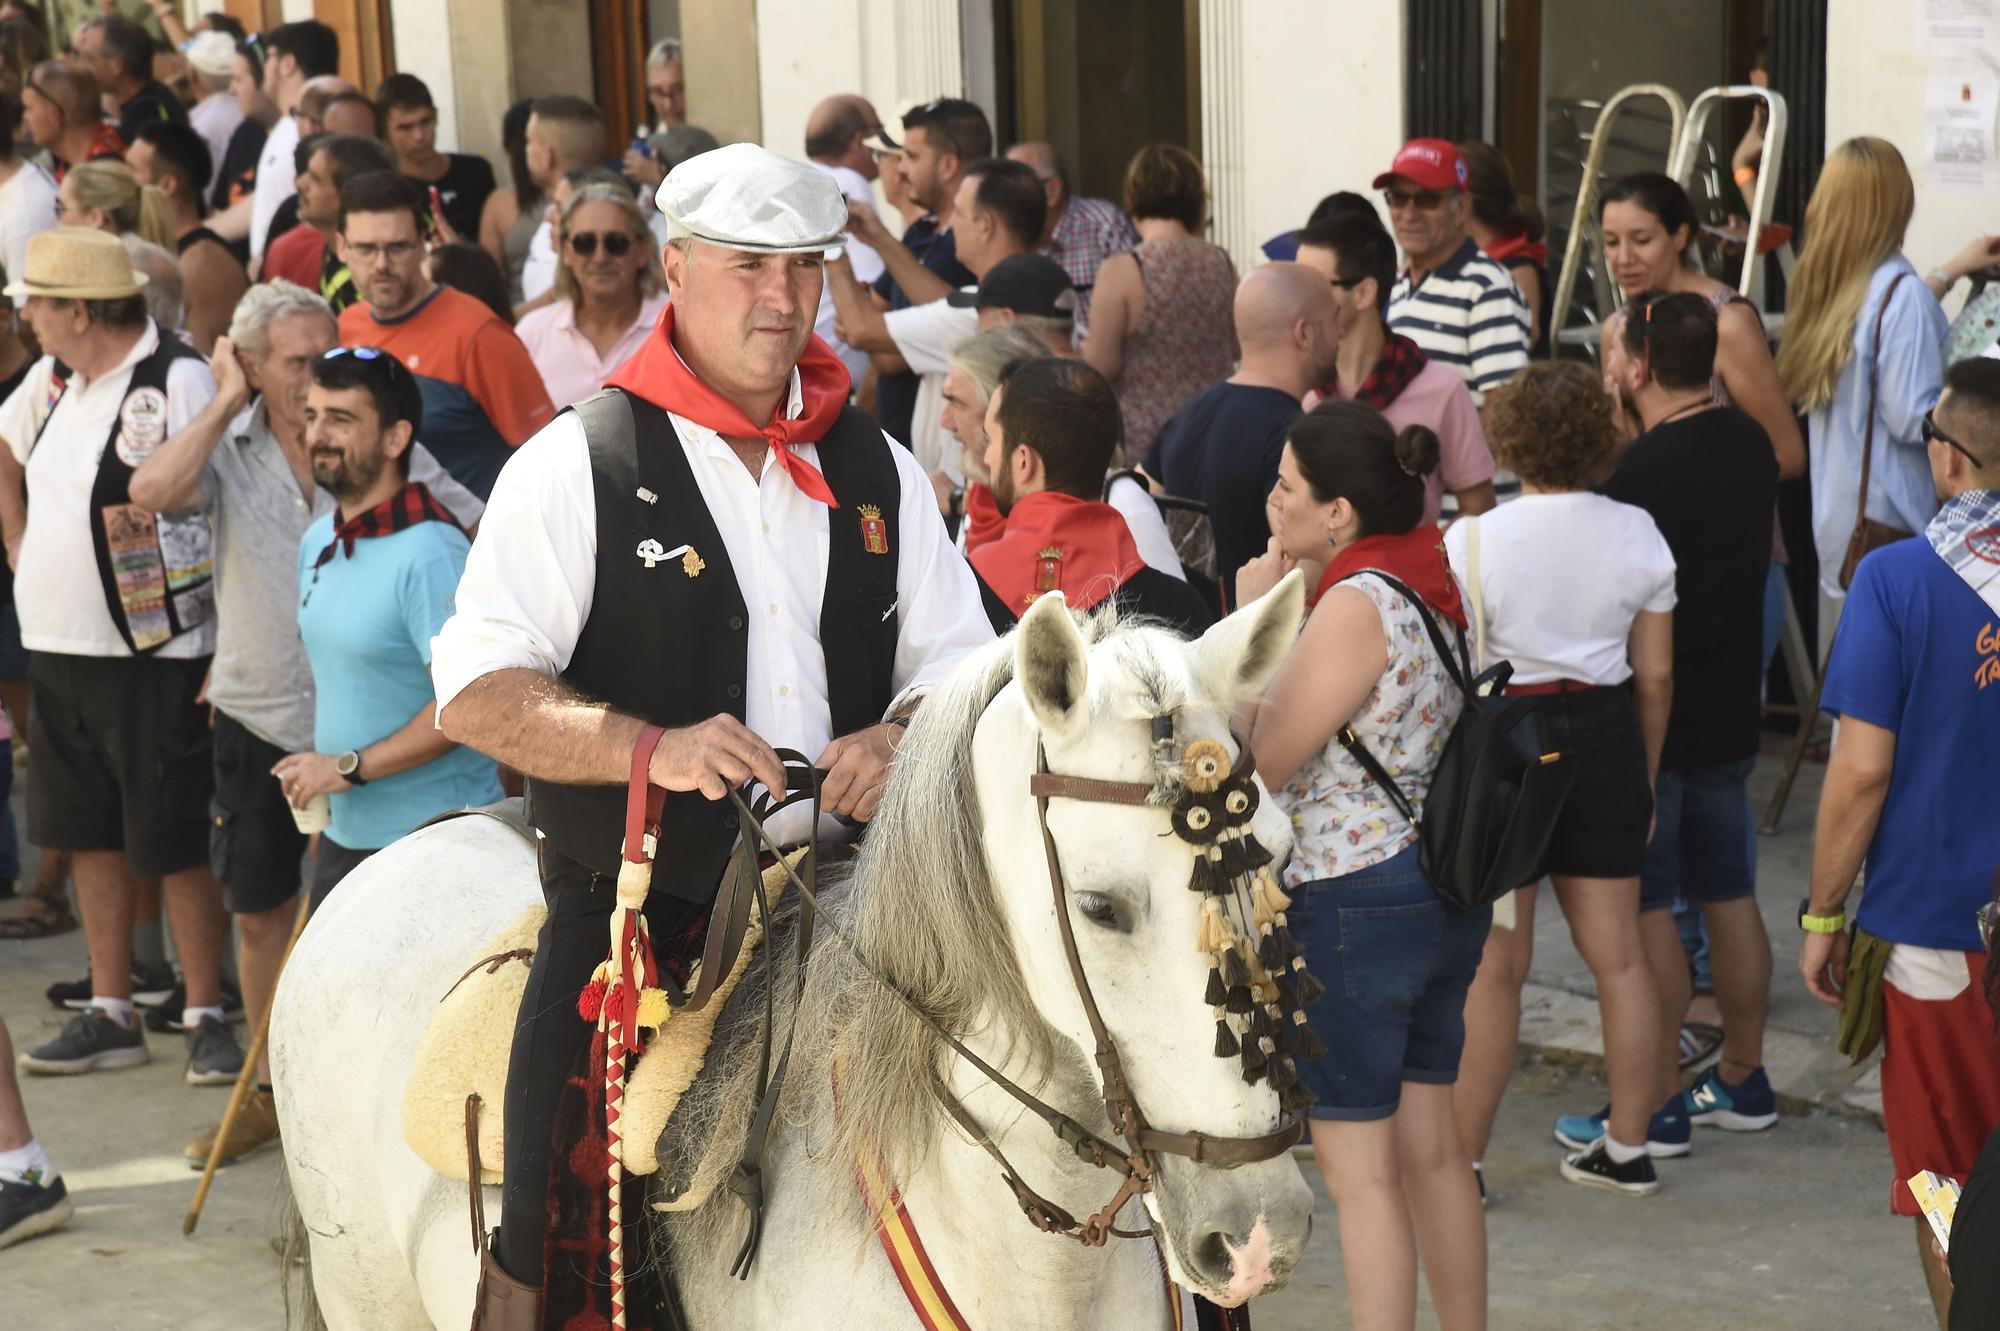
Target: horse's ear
(1052,663)
(1240,654)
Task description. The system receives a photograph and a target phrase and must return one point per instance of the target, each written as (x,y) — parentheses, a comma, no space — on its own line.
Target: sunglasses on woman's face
(617,244)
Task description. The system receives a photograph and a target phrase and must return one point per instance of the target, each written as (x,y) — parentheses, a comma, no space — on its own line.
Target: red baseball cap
(1428,164)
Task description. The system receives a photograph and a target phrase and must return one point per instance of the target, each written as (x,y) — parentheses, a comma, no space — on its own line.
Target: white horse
(951,900)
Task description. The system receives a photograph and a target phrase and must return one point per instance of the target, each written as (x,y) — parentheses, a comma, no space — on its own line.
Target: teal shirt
(367,621)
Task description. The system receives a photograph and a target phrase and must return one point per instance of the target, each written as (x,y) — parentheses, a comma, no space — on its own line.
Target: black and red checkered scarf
(410,505)
(1400,362)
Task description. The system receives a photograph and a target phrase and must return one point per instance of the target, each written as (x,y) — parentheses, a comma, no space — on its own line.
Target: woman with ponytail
(106,195)
(1863,357)
(1348,509)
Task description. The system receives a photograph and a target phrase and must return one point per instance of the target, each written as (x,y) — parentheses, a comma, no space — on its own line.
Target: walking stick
(244,1079)
(1808,719)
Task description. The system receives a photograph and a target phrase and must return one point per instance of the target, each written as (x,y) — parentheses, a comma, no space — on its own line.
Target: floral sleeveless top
(1341,820)
(1186,337)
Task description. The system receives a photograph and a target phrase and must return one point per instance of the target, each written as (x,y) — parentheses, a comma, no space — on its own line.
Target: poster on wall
(1955,29)
(1960,107)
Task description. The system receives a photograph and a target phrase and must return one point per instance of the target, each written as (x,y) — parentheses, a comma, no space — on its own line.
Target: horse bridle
(1137,1161)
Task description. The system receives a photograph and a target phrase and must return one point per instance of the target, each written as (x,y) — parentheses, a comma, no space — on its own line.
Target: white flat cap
(213,54)
(745,197)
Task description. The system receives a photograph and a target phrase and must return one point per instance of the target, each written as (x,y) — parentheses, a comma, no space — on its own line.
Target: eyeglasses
(1427,200)
(617,244)
(395,249)
(60,206)
(1345,283)
(1932,435)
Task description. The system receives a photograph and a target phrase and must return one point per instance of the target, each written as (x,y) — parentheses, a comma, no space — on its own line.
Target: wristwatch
(349,766)
(1943,278)
(1820,924)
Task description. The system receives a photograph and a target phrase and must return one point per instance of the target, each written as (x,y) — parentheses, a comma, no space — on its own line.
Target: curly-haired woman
(1577,590)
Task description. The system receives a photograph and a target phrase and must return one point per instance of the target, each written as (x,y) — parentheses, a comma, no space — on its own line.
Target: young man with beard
(172,158)
(307,255)
(794,587)
(243,461)
(482,395)
(376,579)
(1389,371)
(940,140)
(1052,428)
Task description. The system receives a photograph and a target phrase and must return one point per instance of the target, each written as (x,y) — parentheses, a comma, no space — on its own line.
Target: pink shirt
(571,368)
(1438,398)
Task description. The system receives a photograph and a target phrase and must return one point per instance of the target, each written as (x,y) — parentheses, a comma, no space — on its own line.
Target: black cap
(1031,284)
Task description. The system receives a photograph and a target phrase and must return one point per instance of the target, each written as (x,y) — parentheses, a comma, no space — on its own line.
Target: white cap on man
(746,197)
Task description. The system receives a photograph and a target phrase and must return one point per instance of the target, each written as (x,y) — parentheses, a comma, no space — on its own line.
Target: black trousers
(550,1038)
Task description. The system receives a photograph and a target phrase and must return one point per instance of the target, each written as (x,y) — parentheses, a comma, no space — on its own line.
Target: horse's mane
(920,906)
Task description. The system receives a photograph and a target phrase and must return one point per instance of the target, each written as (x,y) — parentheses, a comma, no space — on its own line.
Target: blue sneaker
(1748,1106)
(31,1205)
(1667,1136)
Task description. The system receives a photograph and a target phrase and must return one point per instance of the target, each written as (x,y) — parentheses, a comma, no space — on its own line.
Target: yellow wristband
(1823,924)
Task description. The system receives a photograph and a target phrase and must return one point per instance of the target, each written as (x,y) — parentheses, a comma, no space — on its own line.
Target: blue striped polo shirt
(1468,313)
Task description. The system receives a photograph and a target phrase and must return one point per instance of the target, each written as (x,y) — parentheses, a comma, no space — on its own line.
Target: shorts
(1396,961)
(121,759)
(1704,847)
(1940,1082)
(333,863)
(1601,831)
(256,847)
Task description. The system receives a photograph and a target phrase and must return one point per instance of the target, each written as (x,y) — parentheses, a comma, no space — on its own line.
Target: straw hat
(76,263)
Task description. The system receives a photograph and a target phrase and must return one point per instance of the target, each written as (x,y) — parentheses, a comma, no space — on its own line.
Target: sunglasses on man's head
(1426,200)
(1932,434)
(617,244)
(371,356)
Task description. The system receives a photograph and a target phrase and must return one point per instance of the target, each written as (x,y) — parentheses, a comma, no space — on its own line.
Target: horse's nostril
(1212,1255)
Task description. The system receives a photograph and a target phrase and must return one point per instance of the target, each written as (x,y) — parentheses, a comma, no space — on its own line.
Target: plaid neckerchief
(1401,361)
(1966,535)
(412,504)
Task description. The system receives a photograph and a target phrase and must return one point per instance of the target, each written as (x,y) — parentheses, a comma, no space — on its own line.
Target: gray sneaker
(92,1042)
(213,1057)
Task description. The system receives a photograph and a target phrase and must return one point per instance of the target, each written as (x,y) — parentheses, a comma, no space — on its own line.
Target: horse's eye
(1097,908)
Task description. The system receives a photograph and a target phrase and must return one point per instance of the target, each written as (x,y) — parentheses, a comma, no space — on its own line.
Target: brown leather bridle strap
(1045,785)
(1225,1152)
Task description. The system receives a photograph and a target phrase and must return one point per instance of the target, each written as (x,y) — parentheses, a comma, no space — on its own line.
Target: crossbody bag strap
(1475,591)
(1377,773)
(1457,664)
(1874,390)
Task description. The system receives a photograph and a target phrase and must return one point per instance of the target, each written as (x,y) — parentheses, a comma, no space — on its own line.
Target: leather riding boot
(504,1303)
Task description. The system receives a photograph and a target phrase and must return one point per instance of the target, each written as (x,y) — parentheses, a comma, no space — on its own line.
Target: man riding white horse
(716,545)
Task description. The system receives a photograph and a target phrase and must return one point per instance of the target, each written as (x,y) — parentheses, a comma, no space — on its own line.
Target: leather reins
(1135,1162)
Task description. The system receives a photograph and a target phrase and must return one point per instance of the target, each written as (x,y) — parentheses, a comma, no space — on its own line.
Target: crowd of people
(268,350)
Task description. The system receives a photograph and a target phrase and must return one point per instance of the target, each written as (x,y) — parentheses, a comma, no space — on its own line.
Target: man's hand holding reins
(714,757)
(857,770)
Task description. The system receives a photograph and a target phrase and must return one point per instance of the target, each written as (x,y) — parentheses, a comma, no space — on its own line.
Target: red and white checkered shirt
(1088,232)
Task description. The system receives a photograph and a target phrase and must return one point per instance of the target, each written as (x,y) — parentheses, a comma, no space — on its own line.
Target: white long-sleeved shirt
(529,580)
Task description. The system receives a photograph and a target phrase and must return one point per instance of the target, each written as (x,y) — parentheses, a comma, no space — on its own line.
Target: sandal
(41,915)
(1699,1041)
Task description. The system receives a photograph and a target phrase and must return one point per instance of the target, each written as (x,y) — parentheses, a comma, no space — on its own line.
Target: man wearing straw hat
(122,769)
(791,585)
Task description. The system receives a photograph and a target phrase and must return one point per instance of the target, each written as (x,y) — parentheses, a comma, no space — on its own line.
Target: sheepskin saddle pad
(466,1047)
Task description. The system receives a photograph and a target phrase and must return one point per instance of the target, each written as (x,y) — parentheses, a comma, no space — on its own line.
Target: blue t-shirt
(1918,652)
(1223,448)
(367,621)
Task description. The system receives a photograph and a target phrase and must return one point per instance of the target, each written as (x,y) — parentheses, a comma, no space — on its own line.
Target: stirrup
(504,1303)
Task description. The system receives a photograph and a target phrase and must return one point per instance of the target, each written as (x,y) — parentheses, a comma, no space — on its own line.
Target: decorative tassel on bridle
(624,995)
(1258,985)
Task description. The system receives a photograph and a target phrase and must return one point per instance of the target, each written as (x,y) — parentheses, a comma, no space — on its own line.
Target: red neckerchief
(1518,246)
(410,505)
(1057,542)
(984,522)
(1399,364)
(1414,558)
(656,373)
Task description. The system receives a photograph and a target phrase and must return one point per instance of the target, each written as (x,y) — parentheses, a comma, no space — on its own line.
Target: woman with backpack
(1577,591)
(1395,958)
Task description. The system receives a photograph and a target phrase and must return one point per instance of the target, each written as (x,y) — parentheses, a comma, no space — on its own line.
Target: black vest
(157,570)
(670,642)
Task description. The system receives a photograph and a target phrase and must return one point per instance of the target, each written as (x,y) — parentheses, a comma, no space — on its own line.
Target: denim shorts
(1396,962)
(1704,847)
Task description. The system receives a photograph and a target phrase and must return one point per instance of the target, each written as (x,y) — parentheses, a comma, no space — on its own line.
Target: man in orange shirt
(482,394)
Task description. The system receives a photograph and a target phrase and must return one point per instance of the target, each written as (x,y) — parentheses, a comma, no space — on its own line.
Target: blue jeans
(1396,962)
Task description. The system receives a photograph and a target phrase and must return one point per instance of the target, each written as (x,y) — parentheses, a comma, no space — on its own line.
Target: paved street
(1776,1232)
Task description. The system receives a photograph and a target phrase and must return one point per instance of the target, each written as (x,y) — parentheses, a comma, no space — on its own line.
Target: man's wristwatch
(1820,924)
(349,766)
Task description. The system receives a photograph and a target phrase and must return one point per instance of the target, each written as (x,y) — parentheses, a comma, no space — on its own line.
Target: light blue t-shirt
(367,621)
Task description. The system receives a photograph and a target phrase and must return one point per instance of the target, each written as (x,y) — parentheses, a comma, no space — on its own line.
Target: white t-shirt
(1149,529)
(538,274)
(56,588)
(867,265)
(27,206)
(277,180)
(1562,577)
(926,336)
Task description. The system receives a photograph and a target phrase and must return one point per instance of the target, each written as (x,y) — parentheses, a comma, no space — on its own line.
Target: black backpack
(1499,785)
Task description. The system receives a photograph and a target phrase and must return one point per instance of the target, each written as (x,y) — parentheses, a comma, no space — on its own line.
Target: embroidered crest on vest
(1048,570)
(874,531)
